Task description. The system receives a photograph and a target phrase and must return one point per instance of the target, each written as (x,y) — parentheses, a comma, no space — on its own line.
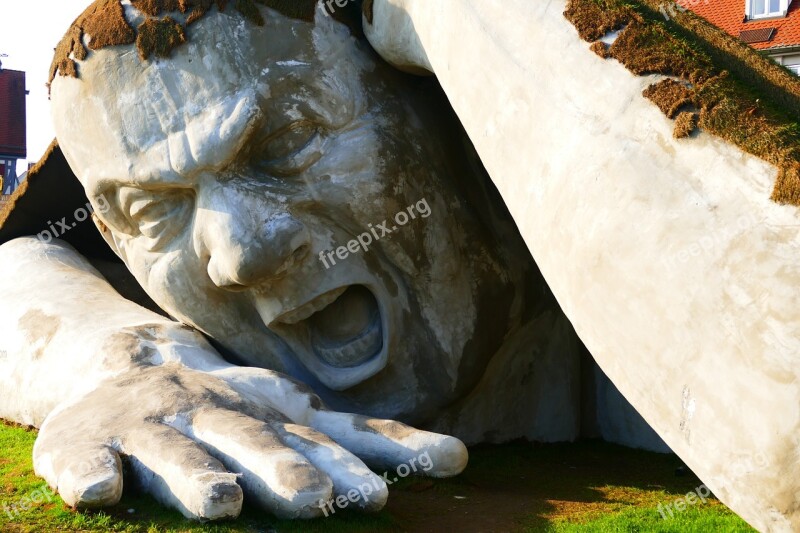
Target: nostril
(233,287)
(300,253)
(294,258)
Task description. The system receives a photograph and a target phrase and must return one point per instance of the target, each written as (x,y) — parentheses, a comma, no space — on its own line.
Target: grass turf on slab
(738,94)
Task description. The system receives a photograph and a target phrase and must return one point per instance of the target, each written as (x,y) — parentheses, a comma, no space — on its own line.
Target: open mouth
(342,327)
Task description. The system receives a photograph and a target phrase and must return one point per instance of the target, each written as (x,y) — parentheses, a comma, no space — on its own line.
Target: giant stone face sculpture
(236,169)
(231,176)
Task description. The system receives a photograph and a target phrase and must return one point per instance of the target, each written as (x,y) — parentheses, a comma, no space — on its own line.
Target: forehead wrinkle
(171,91)
(165,107)
(148,116)
(170,97)
(187,120)
(209,142)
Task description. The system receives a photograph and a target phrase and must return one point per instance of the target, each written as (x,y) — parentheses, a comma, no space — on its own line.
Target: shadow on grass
(512,487)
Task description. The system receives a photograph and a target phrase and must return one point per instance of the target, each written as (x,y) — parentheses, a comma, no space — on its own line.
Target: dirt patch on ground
(9,423)
(511,487)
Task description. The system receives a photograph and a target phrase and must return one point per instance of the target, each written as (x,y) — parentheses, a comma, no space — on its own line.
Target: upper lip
(304,311)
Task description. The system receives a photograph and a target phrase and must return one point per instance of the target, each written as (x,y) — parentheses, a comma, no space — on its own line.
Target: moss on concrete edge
(716,83)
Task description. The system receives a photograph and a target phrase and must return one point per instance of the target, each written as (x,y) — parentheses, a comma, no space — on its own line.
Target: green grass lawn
(588,486)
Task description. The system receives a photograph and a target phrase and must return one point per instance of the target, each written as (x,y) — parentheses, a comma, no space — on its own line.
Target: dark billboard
(12,114)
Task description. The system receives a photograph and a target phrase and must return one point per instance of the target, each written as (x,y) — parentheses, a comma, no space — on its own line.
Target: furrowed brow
(208,142)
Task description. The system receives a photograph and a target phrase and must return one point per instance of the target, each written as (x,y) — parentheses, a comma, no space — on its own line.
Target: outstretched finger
(388,444)
(275,476)
(380,443)
(179,473)
(352,479)
(86,475)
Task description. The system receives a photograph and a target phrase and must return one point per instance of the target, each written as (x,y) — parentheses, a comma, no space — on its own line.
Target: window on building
(794,68)
(765,8)
(9,174)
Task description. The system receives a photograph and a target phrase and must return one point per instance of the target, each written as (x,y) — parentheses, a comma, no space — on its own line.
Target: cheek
(357,159)
(174,280)
(179,283)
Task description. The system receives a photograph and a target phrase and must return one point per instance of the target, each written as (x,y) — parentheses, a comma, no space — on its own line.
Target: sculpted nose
(244,259)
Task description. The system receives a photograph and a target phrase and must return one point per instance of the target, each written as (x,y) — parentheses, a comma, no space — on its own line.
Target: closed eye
(291,150)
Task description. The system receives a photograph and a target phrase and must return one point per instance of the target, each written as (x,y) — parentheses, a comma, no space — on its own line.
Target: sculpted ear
(390,29)
(105,232)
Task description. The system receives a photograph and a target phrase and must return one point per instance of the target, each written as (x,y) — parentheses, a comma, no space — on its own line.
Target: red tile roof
(730,16)
(12,113)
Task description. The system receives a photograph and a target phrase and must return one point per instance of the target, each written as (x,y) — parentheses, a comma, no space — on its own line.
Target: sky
(31,30)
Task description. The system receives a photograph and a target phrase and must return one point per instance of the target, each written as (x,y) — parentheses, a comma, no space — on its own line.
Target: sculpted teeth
(318,304)
(354,352)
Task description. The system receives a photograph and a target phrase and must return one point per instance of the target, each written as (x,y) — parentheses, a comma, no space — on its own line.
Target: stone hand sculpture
(155,392)
(236,151)
(678,272)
